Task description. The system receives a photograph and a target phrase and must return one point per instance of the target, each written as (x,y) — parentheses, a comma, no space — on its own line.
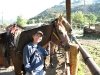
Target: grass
(92,44)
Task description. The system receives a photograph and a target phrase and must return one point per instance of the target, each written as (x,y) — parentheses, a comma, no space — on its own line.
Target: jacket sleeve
(44,52)
(26,59)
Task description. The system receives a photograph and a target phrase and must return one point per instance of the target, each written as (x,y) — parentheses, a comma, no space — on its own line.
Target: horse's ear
(60,17)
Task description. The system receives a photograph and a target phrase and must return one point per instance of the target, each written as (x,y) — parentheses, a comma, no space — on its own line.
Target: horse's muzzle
(66,46)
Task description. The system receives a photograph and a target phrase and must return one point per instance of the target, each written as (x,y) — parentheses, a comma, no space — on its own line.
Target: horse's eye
(60,32)
(63,22)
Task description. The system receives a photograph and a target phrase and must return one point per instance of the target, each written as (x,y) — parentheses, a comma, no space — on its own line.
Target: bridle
(56,34)
(65,46)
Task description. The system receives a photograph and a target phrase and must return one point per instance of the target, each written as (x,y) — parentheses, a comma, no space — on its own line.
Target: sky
(10,9)
(26,8)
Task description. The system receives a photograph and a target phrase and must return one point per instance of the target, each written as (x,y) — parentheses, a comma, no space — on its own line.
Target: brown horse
(55,32)
(54,47)
(6,39)
(4,56)
(2,50)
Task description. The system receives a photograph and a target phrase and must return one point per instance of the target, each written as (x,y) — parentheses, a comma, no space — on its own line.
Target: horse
(73,51)
(55,32)
(4,51)
(8,39)
(54,47)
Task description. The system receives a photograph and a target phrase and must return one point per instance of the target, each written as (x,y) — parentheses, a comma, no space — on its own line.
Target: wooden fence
(93,67)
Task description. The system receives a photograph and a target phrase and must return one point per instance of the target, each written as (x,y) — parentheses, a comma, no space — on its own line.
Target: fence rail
(93,67)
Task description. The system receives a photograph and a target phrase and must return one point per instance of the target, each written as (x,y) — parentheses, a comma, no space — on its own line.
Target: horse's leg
(7,55)
(53,50)
(74,59)
(16,62)
(1,55)
(44,63)
(51,61)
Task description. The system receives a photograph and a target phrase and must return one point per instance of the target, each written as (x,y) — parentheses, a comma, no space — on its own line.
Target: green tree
(21,21)
(30,21)
(98,18)
(78,18)
(91,18)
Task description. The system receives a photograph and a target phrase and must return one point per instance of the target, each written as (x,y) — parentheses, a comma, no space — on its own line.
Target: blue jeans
(42,72)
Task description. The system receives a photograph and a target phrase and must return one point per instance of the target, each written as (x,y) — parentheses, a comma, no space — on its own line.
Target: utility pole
(68,10)
(2,17)
(84,10)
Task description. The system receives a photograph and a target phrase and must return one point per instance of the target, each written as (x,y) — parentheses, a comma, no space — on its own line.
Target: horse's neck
(47,30)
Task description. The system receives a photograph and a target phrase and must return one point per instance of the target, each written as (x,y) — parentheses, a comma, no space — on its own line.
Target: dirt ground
(7,71)
(58,60)
(57,69)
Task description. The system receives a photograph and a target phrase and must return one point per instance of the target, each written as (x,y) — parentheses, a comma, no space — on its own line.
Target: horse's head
(14,31)
(66,24)
(62,31)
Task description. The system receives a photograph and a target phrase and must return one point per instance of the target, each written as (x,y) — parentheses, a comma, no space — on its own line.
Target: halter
(54,32)
(56,35)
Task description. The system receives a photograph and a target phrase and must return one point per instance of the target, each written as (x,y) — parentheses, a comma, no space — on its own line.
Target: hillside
(60,9)
(51,12)
(93,8)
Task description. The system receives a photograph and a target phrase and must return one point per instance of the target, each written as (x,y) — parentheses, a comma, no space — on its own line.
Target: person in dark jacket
(33,54)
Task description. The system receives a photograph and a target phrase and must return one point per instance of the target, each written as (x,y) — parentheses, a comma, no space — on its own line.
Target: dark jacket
(32,57)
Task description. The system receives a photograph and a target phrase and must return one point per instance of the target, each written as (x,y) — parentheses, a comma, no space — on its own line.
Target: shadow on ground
(7,73)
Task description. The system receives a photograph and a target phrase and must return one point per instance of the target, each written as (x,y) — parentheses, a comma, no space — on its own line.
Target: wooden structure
(94,68)
(97,27)
(89,31)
